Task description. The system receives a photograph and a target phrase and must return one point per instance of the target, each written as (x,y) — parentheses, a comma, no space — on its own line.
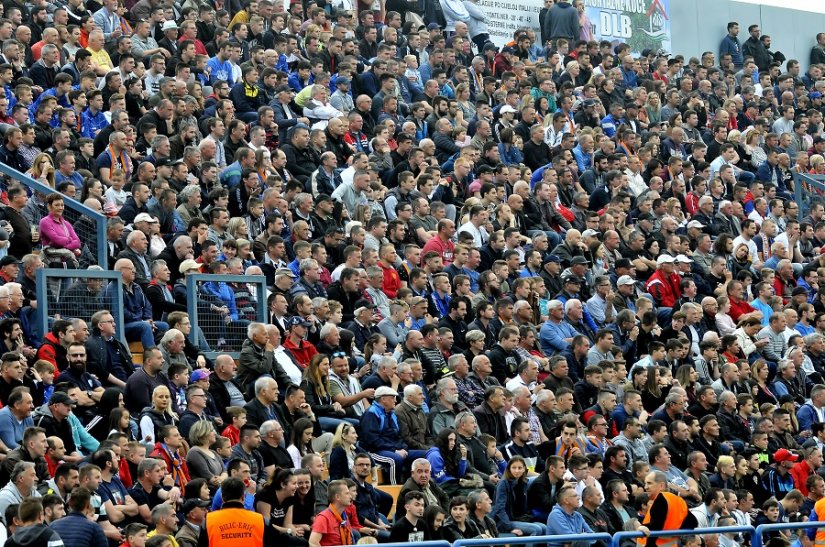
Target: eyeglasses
(339,354)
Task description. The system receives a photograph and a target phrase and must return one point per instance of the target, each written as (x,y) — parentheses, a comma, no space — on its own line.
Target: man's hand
(402,453)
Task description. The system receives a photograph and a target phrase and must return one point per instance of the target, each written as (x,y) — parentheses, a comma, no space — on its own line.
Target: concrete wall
(700,25)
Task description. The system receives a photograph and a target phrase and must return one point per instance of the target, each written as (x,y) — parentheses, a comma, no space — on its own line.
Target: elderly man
(264,406)
(106,356)
(412,421)
(421,481)
(15,418)
(443,412)
(258,358)
(382,437)
(137,246)
(137,311)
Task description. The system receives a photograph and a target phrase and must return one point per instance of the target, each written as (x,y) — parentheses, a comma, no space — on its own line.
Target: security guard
(232,525)
(666,512)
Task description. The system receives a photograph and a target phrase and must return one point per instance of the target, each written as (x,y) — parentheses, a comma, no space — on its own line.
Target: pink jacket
(60,235)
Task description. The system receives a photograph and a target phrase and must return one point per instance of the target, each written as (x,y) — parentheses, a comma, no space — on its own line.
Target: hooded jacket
(36,535)
(562,21)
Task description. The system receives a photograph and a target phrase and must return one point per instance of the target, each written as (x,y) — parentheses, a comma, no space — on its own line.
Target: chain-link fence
(89,225)
(84,295)
(222,306)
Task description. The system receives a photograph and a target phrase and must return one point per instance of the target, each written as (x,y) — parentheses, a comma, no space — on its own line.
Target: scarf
(344,528)
(122,162)
(177,466)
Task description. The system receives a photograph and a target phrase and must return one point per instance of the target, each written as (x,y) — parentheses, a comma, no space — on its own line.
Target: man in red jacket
(663,285)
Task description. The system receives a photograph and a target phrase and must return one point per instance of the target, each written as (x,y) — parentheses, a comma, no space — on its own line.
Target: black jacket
(301,163)
(99,363)
(221,396)
(257,413)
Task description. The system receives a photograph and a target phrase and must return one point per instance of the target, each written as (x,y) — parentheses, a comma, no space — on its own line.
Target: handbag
(61,258)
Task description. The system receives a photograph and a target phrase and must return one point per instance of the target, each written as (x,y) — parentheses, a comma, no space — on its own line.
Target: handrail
(100,220)
(803,196)
(529,540)
(433,543)
(621,536)
(42,315)
(756,540)
(192,283)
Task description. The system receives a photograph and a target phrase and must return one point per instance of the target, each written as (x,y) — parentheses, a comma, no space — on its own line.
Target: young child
(115,196)
(45,386)
(233,430)
(135,534)
(412,74)
(495,458)
(223,447)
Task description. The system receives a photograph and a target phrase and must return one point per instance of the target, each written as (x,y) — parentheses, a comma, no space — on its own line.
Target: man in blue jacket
(381,436)
(75,529)
(564,519)
(730,44)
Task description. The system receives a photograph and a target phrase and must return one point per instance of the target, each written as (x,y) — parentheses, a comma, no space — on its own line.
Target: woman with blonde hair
(674,209)
(202,461)
(462,96)
(159,414)
(344,450)
(653,107)
(237,228)
(42,169)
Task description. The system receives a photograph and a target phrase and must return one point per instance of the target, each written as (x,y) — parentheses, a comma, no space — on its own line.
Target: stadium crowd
(552,288)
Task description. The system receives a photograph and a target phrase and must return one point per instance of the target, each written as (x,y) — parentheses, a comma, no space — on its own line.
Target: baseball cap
(145,217)
(572,278)
(799,290)
(282,88)
(297,320)
(383,391)
(695,224)
(552,258)
(192,503)
(785,455)
(8,260)
(665,259)
(285,271)
(590,232)
(188,265)
(322,198)
(199,374)
(589,102)
(169,25)
(61,397)
(623,263)
(625,280)
(489,46)
(682,259)
(432,26)
(815,95)
(648,216)
(579,260)
(507,108)
(344,81)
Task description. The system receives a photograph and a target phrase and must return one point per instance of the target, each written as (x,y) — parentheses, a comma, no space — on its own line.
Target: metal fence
(762,529)
(89,225)
(807,190)
(221,307)
(84,294)
(530,540)
(621,536)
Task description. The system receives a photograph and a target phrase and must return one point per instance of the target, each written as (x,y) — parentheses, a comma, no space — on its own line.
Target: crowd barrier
(763,528)
(807,190)
(83,293)
(222,322)
(621,536)
(89,225)
(530,540)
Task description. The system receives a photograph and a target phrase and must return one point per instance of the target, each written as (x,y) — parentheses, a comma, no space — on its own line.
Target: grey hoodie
(36,535)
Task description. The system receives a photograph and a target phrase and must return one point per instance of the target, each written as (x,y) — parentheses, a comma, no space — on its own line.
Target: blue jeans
(141,331)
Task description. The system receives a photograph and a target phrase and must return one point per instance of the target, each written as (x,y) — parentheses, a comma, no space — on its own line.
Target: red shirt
(738,309)
(329,526)
(444,249)
(231,432)
(302,354)
(392,281)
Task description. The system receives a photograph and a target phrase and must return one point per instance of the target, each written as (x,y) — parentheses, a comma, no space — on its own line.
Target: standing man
(232,525)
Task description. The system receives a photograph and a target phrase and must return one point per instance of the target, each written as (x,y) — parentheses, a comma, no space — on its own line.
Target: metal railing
(84,295)
(89,225)
(763,528)
(621,536)
(222,306)
(803,184)
(529,540)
